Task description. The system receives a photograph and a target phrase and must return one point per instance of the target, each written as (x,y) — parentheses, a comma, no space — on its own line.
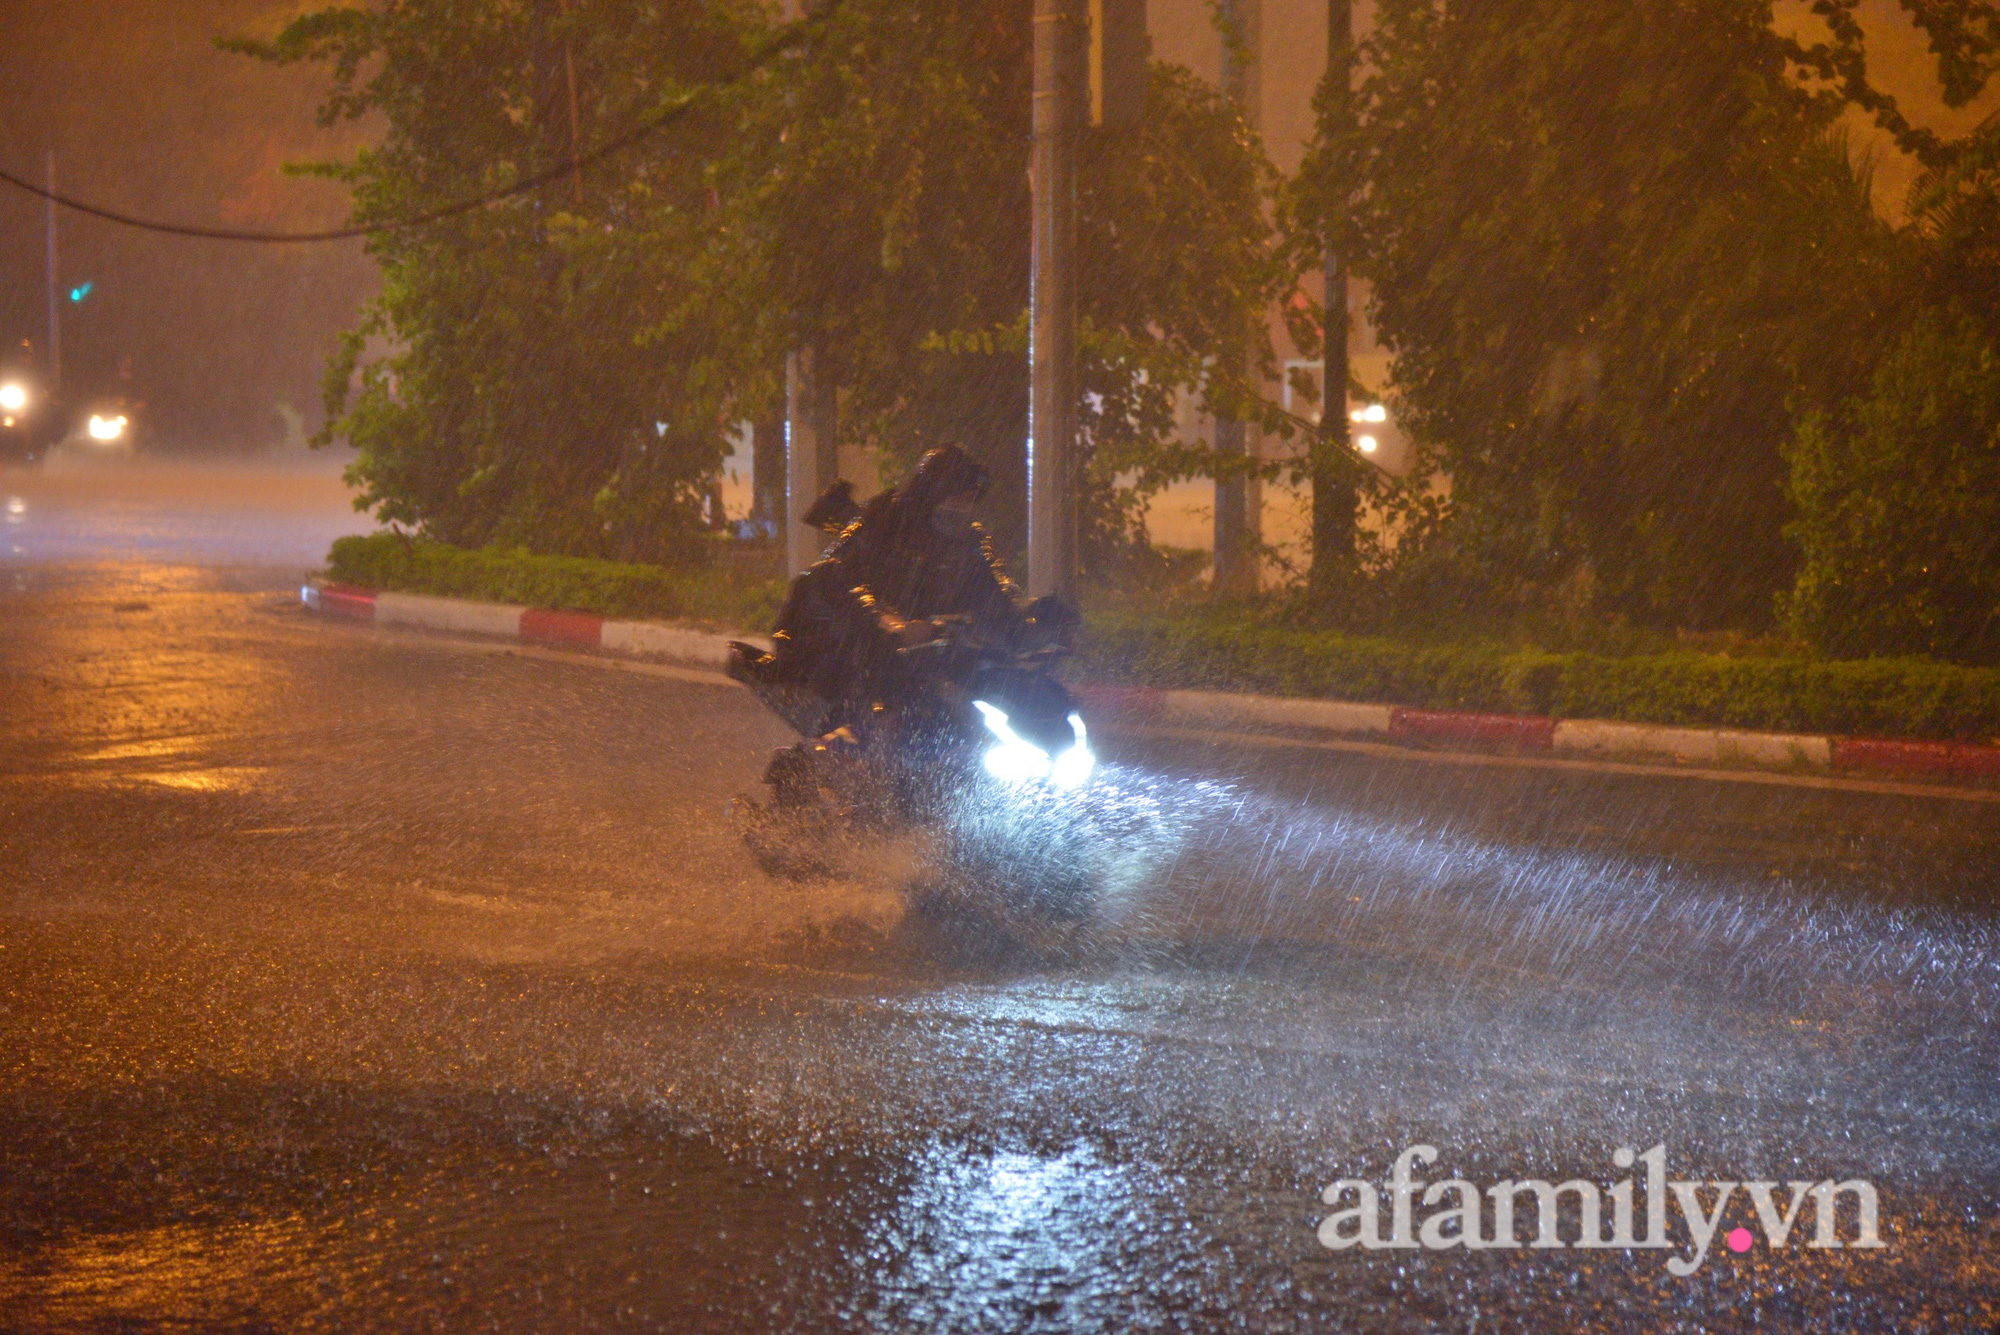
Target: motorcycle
(966,705)
(981,746)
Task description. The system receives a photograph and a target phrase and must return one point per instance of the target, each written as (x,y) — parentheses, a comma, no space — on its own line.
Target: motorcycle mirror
(835,509)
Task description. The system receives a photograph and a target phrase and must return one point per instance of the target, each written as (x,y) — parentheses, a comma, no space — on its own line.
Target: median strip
(1228,710)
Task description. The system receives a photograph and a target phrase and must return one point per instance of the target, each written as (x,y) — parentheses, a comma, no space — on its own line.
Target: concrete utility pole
(812,421)
(767,472)
(575,122)
(55,321)
(1239,501)
(1052,459)
(1335,499)
(812,457)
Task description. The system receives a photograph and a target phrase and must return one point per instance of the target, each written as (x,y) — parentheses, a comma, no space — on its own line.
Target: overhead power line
(783,42)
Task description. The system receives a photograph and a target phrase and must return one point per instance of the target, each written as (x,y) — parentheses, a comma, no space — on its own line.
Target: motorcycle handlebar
(954,633)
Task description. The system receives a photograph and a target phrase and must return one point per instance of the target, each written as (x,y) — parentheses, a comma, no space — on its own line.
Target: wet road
(360,981)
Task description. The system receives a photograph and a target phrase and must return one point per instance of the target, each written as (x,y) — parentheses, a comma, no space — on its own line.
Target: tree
(1898,501)
(560,371)
(516,403)
(1610,247)
(877,208)
(1955,227)
(1897,490)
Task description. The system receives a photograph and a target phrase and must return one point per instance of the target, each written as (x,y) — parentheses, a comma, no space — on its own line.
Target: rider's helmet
(942,473)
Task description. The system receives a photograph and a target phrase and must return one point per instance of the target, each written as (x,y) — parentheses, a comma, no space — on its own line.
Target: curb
(1596,739)
(1708,746)
(1590,738)
(561,630)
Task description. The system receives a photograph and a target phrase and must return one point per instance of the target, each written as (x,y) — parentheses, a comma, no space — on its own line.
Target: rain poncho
(902,560)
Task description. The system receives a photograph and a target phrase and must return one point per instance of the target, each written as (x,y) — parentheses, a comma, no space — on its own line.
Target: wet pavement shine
(353,980)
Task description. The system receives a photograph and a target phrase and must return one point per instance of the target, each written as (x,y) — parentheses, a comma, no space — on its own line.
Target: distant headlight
(13,397)
(107,428)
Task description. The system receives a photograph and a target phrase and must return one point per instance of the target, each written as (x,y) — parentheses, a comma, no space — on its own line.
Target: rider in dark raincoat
(914,555)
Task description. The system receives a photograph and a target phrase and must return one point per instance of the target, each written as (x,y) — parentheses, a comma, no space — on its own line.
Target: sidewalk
(1590,739)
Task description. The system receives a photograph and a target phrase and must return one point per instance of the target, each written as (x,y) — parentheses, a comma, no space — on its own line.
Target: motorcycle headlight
(1072,768)
(1014,759)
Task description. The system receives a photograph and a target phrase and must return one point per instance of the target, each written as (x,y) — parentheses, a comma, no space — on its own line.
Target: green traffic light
(79,293)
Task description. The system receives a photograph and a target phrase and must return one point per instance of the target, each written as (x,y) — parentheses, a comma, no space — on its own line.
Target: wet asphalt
(355,980)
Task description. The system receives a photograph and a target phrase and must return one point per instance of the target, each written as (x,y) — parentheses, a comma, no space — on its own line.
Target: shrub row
(1865,697)
(570,583)
(1862,697)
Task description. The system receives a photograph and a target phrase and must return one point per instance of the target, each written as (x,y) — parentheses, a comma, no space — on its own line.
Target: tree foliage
(1898,496)
(512,402)
(1896,489)
(878,209)
(1611,249)
(560,370)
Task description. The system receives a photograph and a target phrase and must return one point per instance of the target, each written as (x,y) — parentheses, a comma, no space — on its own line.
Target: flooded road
(352,980)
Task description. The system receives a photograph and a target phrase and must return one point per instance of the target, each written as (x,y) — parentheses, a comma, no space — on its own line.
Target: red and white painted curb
(530,625)
(1465,730)
(1226,711)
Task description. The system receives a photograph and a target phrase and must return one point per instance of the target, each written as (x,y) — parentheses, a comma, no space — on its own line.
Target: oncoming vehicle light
(107,428)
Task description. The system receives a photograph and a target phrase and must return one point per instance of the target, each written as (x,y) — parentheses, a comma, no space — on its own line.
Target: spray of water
(1144,863)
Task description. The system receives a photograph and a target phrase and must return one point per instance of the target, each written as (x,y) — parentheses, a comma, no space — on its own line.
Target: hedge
(1894,697)
(390,560)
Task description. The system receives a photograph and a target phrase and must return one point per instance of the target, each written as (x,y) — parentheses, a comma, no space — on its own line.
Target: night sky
(146,116)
